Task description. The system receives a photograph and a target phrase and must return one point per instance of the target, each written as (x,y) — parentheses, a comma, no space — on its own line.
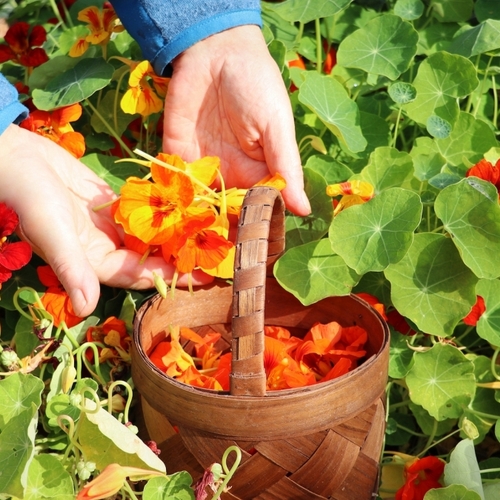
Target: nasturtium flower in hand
(56,126)
(13,255)
(23,45)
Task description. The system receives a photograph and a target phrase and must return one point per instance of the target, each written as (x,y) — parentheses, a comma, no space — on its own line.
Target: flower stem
(317,26)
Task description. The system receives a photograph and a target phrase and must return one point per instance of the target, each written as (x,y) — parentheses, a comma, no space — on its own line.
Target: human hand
(226,98)
(53,195)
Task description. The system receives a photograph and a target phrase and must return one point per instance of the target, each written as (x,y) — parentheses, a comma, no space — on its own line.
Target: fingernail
(306,203)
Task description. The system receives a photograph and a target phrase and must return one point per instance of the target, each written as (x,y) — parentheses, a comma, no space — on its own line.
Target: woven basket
(317,442)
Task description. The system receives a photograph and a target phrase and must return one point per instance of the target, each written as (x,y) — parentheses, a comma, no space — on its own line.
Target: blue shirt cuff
(14,112)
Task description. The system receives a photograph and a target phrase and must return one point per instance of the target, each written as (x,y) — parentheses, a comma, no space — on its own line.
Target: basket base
(341,463)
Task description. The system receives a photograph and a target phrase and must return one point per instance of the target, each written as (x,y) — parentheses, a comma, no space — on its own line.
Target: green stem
(495,101)
(432,435)
(317,24)
(409,431)
(300,33)
(494,363)
(80,357)
(396,126)
(129,491)
(426,449)
(111,130)
(229,472)
(20,310)
(57,13)
(130,396)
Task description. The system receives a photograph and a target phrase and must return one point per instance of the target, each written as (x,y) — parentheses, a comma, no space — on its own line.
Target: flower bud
(9,359)
(67,378)
(85,469)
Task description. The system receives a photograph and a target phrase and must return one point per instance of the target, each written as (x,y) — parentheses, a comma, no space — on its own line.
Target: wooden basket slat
(285,488)
(283,453)
(371,446)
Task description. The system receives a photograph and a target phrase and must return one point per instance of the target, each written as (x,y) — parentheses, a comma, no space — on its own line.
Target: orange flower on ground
(486,171)
(101,24)
(112,334)
(421,475)
(55,299)
(23,45)
(352,192)
(56,126)
(110,481)
(140,96)
(476,312)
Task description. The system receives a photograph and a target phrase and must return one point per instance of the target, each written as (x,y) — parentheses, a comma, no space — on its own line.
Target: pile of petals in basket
(175,213)
(324,353)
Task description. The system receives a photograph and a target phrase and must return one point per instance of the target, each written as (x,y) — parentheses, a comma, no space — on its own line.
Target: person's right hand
(53,195)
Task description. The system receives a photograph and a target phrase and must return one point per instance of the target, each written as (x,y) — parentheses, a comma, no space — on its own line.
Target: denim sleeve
(11,110)
(165,28)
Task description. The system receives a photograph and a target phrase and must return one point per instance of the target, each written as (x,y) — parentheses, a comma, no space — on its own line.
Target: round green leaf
(471,41)
(305,10)
(452,492)
(312,272)
(300,230)
(409,9)
(384,46)
(441,79)
(400,357)
(330,169)
(431,285)
(430,425)
(442,381)
(438,127)
(470,213)
(448,11)
(174,487)
(375,234)
(486,9)
(75,85)
(427,165)
(48,479)
(402,93)
(329,100)
(387,168)
(488,326)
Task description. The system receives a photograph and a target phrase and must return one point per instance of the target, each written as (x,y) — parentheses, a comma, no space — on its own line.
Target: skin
(226,98)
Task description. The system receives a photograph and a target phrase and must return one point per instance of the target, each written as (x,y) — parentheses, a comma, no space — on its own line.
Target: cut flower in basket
(327,351)
(175,213)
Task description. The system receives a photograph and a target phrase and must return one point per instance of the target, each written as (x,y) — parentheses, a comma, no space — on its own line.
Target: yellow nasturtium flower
(353,193)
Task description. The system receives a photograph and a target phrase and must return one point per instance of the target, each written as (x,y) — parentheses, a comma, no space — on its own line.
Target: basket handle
(260,241)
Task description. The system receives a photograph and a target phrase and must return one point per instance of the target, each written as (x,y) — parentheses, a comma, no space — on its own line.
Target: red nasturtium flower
(476,312)
(486,171)
(421,475)
(55,299)
(13,255)
(56,126)
(23,45)
(330,59)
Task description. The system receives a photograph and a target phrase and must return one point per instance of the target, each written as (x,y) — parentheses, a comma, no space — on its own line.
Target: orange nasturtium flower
(55,299)
(111,480)
(352,192)
(23,45)
(101,23)
(421,475)
(140,96)
(56,126)
(113,334)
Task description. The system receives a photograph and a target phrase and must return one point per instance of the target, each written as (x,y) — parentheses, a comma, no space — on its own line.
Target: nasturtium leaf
(313,271)
(17,443)
(431,285)
(427,165)
(277,50)
(25,277)
(280,28)
(60,404)
(430,425)
(375,284)
(104,441)
(48,479)
(436,37)
(46,72)
(449,11)
(375,130)
(329,100)
(452,492)
(488,326)
(470,212)
(486,9)
(379,104)
(485,37)
(70,36)
(491,491)
(300,230)
(463,468)
(377,233)
(400,357)
(384,46)
(74,85)
(24,337)
(174,487)
(438,127)
(387,167)
(305,10)
(402,92)
(18,393)
(444,179)
(398,427)
(409,9)
(329,168)
(442,381)
(110,110)
(113,173)
(442,78)
(338,26)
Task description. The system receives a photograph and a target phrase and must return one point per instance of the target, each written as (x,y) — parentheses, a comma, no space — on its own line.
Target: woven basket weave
(316,442)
